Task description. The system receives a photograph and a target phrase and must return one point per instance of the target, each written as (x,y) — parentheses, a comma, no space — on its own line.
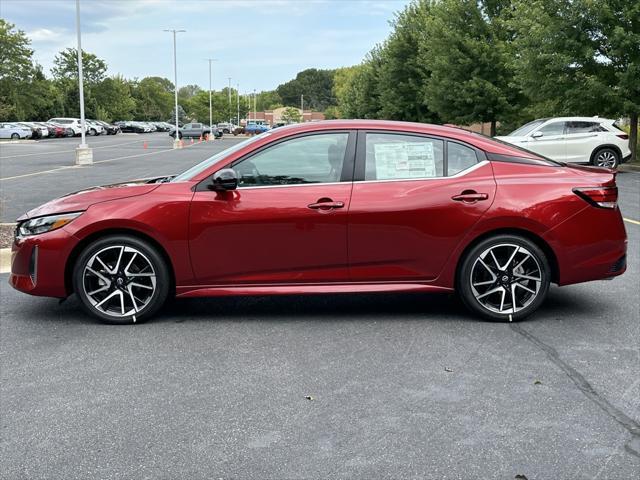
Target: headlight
(39,225)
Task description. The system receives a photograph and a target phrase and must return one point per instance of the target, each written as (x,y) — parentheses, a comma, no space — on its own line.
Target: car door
(549,140)
(582,138)
(414,198)
(287,220)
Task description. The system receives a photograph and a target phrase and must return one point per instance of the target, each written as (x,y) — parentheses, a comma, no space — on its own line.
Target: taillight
(623,136)
(602,197)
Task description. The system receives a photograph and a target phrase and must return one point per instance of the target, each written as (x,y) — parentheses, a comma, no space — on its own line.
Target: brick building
(272,117)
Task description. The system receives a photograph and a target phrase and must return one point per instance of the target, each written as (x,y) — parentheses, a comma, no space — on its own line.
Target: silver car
(13,131)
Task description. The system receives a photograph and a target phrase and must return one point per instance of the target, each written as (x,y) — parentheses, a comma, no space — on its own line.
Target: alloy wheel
(606,158)
(119,281)
(506,278)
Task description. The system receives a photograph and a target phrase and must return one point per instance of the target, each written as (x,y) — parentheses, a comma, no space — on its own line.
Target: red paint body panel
(396,235)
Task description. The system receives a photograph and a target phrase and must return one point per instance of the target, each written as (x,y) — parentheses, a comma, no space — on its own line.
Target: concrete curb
(5,260)
(627,167)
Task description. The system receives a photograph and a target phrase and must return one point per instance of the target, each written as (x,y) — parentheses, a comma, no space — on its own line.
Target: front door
(414,198)
(286,222)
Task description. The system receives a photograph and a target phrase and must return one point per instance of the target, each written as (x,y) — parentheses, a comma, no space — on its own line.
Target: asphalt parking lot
(332,386)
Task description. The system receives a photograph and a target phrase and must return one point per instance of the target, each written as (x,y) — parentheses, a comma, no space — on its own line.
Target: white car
(593,140)
(74,124)
(44,131)
(14,131)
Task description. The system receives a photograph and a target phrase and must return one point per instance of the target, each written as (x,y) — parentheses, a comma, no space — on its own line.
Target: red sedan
(336,206)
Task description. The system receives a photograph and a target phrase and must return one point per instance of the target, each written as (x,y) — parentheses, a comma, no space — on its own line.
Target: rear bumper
(591,245)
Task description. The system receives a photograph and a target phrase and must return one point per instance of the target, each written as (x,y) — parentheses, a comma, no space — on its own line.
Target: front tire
(15,136)
(504,278)
(121,279)
(606,157)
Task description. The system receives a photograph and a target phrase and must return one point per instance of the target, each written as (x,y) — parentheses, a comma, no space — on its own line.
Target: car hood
(83,199)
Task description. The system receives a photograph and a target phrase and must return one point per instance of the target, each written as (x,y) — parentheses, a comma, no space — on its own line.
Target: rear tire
(606,157)
(15,136)
(121,279)
(503,271)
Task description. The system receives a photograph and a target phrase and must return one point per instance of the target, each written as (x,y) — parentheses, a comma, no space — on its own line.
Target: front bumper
(38,263)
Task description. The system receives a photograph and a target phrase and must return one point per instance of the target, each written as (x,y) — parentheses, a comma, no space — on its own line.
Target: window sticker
(404,160)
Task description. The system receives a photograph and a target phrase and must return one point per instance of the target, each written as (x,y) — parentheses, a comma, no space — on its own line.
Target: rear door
(414,198)
(582,138)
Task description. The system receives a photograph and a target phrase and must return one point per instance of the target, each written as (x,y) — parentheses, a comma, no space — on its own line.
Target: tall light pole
(210,107)
(302,107)
(255,109)
(84,155)
(238,101)
(229,92)
(176,140)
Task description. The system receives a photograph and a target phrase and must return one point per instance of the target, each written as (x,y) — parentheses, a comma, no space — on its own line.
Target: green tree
(291,115)
(267,100)
(187,92)
(65,66)
(152,99)
(359,96)
(114,99)
(316,86)
(465,47)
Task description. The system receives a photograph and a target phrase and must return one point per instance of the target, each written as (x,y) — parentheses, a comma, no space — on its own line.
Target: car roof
(579,119)
(450,132)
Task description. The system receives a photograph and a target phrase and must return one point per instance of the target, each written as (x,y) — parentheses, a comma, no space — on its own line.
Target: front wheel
(121,279)
(15,136)
(504,278)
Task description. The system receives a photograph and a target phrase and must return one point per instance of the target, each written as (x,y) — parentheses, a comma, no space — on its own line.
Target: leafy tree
(470,76)
(316,86)
(267,100)
(65,66)
(291,115)
(152,100)
(114,99)
(187,92)
(360,94)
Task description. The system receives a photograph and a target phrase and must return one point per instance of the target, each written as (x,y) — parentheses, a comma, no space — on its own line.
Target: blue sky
(259,43)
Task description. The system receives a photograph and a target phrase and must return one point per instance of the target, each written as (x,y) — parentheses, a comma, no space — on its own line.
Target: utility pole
(238,102)
(84,155)
(176,140)
(229,91)
(211,136)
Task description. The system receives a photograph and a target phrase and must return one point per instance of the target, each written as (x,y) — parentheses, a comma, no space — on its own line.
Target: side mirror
(536,135)
(225,179)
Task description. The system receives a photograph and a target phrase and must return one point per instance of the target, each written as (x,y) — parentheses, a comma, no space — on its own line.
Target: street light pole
(302,107)
(211,136)
(238,101)
(255,110)
(84,155)
(176,140)
(229,92)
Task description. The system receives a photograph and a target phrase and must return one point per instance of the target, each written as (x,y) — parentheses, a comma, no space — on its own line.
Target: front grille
(620,264)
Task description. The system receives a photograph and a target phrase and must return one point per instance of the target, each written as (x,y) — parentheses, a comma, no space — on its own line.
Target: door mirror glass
(225,179)
(537,134)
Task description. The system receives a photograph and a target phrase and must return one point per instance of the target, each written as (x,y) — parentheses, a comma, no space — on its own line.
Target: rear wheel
(15,136)
(121,279)
(504,278)
(607,157)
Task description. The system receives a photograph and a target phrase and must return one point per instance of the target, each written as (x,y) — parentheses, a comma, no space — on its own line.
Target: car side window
(582,127)
(392,156)
(459,158)
(195,125)
(555,128)
(309,159)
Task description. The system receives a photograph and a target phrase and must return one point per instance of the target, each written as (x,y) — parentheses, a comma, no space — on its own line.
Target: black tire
(15,136)
(144,253)
(606,157)
(490,306)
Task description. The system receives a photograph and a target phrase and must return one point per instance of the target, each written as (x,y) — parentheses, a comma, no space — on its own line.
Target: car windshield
(527,128)
(200,167)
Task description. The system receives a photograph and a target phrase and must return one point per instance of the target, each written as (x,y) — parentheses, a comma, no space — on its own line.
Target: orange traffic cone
(144,145)
(181,144)
(191,140)
(200,139)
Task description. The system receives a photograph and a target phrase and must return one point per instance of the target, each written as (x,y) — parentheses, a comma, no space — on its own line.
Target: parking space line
(66,151)
(635,222)
(99,161)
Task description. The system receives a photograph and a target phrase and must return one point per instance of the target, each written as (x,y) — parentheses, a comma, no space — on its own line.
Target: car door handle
(325,204)
(470,197)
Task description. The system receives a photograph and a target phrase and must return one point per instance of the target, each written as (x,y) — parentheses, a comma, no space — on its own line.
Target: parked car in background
(327,207)
(225,127)
(109,128)
(239,130)
(61,130)
(14,131)
(43,130)
(593,140)
(94,128)
(72,123)
(131,127)
(36,133)
(255,128)
(192,130)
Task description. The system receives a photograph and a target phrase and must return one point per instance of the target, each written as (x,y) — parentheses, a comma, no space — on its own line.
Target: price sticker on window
(404,160)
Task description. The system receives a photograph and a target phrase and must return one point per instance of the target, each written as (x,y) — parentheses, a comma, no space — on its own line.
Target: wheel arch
(601,147)
(82,244)
(529,235)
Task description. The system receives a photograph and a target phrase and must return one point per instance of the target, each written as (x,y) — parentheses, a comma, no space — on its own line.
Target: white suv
(574,140)
(75,125)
